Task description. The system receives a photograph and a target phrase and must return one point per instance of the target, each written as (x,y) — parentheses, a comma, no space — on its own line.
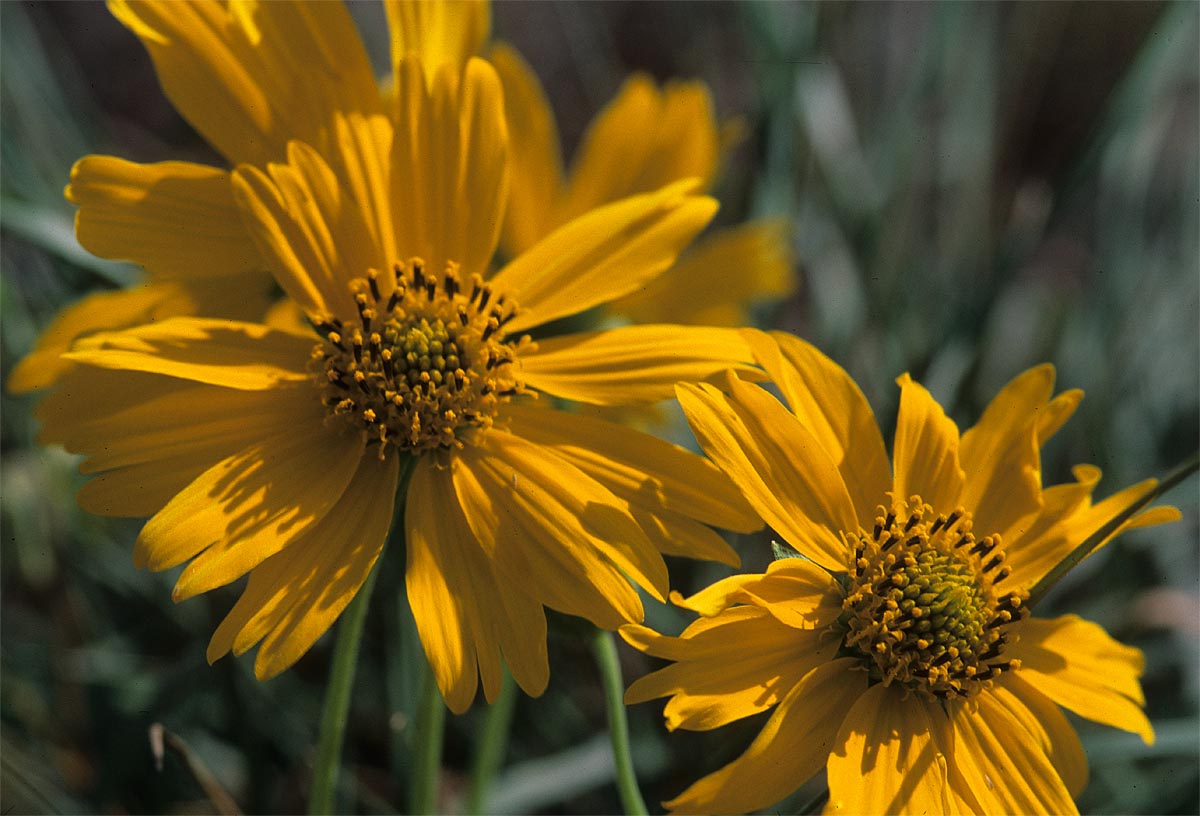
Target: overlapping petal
(464,615)
(549,527)
(533,153)
(436,33)
(250,77)
(794,590)
(633,364)
(608,252)
(309,230)
(218,352)
(793,745)
(890,756)
(1049,727)
(293,597)
(1000,759)
(829,404)
(1079,666)
(778,464)
(728,668)
(1068,518)
(925,457)
(176,219)
(247,507)
(449,164)
(645,138)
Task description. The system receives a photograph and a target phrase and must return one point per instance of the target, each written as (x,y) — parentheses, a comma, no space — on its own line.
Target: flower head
(277,448)
(896,648)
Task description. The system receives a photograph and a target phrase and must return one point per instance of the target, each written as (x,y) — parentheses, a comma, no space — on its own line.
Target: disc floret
(424,363)
(922,606)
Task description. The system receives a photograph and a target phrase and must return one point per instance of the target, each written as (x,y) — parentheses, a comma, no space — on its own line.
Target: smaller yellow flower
(897,652)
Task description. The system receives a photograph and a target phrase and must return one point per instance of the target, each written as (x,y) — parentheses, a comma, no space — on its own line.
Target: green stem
(337,701)
(492,746)
(605,649)
(431,722)
(1097,538)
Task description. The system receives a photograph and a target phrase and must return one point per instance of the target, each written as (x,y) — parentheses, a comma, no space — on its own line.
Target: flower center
(922,608)
(423,363)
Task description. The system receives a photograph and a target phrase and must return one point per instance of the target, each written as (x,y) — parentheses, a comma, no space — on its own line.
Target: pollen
(923,606)
(424,364)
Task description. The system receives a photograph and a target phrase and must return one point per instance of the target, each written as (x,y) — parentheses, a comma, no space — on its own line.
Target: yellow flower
(645,138)
(897,651)
(277,449)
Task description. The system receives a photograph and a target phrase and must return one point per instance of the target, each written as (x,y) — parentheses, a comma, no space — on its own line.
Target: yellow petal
(248,507)
(1001,454)
(1068,518)
(777,463)
(827,401)
(437,33)
(1077,665)
(925,459)
(177,219)
(250,76)
(555,531)
(105,310)
(796,591)
(793,746)
(633,364)
(1001,762)
(677,534)
(606,253)
(295,595)
(449,164)
(440,589)
(310,231)
(218,352)
(1052,731)
(715,280)
(890,755)
(354,542)
(643,139)
(362,163)
(463,613)
(730,667)
(533,153)
(636,466)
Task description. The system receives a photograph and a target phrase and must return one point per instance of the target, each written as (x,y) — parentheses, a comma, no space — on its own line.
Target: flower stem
(337,701)
(1111,526)
(492,746)
(605,649)
(431,722)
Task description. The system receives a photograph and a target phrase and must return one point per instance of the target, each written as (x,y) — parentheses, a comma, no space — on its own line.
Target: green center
(424,363)
(922,607)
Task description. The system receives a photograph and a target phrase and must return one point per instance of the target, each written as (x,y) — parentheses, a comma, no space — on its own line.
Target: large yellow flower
(644,138)
(897,651)
(278,449)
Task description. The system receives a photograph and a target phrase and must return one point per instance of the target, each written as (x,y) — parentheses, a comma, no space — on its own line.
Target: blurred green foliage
(975,188)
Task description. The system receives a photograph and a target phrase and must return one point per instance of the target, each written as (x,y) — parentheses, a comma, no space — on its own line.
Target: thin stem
(605,649)
(431,722)
(1097,538)
(337,701)
(492,746)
